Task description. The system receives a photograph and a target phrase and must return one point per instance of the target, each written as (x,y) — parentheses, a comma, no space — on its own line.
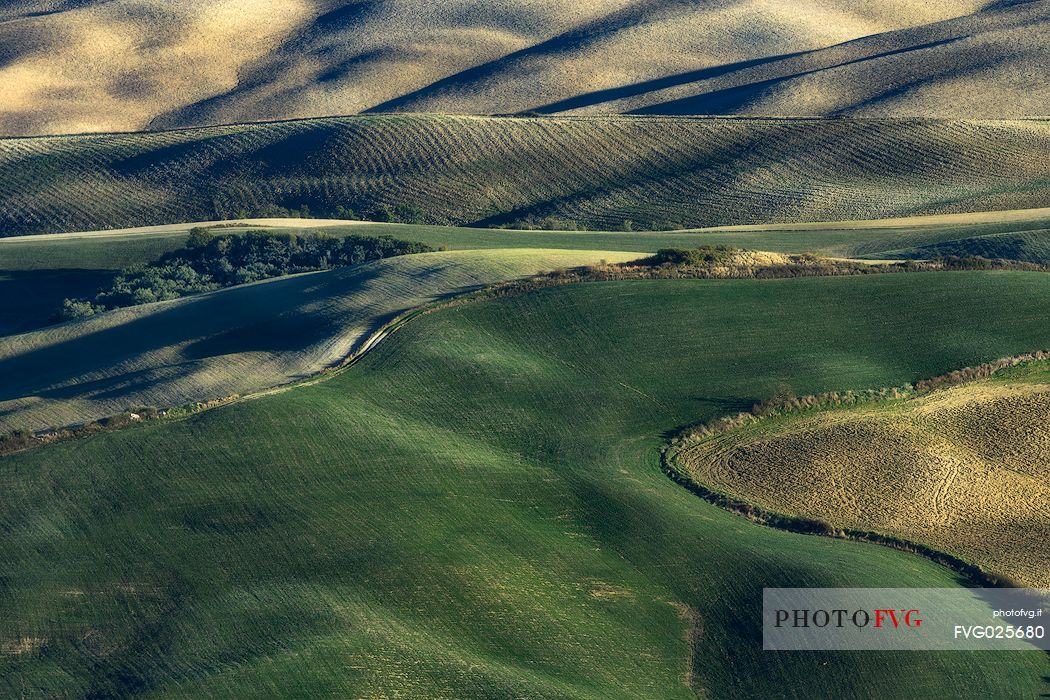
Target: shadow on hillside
(287,323)
(618,93)
(714,102)
(1006,247)
(732,99)
(33,298)
(572,40)
(281,316)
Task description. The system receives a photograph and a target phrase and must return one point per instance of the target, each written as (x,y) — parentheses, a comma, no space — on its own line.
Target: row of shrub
(21,440)
(694,260)
(399,214)
(412,214)
(981,371)
(721,261)
(784,400)
(213,261)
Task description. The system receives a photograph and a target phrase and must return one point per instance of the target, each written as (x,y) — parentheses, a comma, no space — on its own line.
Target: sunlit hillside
(118,65)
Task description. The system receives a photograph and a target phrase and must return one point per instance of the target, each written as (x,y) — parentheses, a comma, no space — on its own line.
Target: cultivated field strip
(965,470)
(38,272)
(1018,235)
(235,61)
(1026,245)
(597,172)
(236,340)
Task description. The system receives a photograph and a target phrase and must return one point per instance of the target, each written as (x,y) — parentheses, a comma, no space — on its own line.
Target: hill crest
(123,65)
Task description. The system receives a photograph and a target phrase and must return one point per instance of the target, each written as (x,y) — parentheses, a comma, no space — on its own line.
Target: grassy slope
(235,340)
(214,61)
(1023,238)
(656,172)
(111,250)
(477,509)
(1027,246)
(37,272)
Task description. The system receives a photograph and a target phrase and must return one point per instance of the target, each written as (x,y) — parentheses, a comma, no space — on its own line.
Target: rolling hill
(113,249)
(963,470)
(476,508)
(236,340)
(599,173)
(366,481)
(36,274)
(207,347)
(74,66)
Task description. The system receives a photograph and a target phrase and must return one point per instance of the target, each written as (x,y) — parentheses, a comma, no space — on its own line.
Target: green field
(657,172)
(1020,235)
(244,339)
(477,509)
(236,340)
(704,282)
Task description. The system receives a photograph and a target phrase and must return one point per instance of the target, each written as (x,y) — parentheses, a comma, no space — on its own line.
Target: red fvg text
(877,619)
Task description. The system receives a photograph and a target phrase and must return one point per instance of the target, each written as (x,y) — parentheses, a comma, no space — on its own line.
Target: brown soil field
(561,172)
(964,470)
(75,66)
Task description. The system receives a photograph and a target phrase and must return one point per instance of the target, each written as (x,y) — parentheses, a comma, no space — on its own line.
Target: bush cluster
(704,255)
(213,261)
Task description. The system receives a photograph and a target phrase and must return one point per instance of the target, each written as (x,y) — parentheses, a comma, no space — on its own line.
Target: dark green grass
(476,509)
